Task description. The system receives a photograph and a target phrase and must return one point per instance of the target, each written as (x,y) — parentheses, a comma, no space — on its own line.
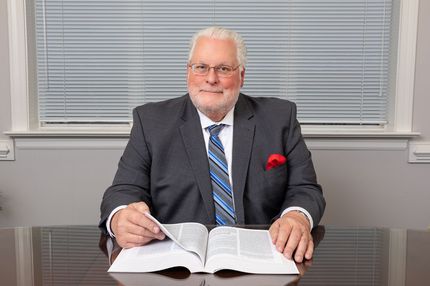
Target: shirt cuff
(115,210)
(302,210)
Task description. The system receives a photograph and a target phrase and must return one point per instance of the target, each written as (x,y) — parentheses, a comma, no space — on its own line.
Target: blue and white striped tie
(221,188)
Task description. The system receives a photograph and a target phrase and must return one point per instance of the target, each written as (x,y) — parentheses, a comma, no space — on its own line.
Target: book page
(222,240)
(255,244)
(189,235)
(246,250)
(154,256)
(157,279)
(248,243)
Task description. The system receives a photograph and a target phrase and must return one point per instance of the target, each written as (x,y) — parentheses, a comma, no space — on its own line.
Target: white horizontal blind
(97,59)
(89,60)
(338,60)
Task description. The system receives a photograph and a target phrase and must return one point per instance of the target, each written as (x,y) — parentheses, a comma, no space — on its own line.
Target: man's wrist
(303,212)
(108,221)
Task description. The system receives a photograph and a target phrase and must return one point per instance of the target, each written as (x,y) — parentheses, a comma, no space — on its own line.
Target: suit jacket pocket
(275,175)
(275,183)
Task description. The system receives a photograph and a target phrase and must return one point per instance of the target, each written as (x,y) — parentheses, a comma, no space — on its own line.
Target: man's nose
(212,76)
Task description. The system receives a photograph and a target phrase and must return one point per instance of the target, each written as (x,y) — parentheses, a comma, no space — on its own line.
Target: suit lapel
(243,137)
(195,147)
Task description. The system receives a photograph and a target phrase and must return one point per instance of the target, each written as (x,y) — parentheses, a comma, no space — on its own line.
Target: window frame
(25,125)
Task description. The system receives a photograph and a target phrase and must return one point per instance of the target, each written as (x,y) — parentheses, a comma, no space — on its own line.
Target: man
(259,170)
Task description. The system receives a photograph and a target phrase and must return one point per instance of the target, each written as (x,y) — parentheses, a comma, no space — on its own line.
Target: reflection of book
(191,246)
(155,279)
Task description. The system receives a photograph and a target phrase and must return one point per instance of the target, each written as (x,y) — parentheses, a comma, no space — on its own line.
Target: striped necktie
(221,188)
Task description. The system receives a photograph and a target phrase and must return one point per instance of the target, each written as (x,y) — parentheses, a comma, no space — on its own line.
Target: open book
(203,279)
(192,246)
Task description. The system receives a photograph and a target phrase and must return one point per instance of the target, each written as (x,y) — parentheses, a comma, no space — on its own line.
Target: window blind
(98,59)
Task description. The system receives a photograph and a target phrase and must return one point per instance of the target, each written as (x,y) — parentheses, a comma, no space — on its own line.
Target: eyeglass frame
(216,69)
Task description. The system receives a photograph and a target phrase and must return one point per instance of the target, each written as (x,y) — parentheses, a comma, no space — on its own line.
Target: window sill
(356,138)
(352,133)
(116,139)
(72,133)
(309,131)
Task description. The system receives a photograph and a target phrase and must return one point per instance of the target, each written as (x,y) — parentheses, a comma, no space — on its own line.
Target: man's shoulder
(165,108)
(272,104)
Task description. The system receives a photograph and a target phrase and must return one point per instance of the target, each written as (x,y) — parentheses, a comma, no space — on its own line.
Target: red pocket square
(275,160)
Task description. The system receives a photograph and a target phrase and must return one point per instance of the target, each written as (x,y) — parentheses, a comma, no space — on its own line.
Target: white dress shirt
(226,136)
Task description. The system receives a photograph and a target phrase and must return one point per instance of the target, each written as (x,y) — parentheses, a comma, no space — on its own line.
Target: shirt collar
(227,120)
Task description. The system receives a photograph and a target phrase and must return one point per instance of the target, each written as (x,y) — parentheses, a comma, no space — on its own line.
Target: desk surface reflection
(77,255)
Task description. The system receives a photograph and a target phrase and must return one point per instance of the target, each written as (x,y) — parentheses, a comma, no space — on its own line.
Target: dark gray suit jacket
(165,164)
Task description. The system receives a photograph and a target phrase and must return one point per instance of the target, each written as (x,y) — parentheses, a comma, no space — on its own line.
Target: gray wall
(64,186)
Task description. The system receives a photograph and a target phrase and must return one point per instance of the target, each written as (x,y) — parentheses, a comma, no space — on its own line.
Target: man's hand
(292,233)
(133,228)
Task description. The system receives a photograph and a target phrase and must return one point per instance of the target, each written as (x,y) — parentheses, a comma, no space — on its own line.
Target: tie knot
(215,129)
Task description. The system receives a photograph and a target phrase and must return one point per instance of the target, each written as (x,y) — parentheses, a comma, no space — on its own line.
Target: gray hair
(221,33)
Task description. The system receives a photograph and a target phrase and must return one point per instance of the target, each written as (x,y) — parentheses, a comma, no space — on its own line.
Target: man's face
(213,95)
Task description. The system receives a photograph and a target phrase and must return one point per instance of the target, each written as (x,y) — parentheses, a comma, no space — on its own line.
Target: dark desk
(72,255)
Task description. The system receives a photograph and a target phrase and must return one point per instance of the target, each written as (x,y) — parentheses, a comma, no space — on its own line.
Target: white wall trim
(70,144)
(405,76)
(419,152)
(357,144)
(18,59)
(308,131)
(397,144)
(24,256)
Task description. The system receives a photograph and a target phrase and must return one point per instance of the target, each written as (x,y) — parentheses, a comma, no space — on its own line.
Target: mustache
(212,90)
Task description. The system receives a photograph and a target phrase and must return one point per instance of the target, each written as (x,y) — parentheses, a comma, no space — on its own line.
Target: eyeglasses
(220,70)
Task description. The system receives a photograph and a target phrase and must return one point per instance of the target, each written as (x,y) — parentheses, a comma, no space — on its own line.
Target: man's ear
(187,74)
(242,77)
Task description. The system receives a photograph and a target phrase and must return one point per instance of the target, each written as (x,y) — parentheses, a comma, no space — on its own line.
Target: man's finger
(310,251)
(142,220)
(133,228)
(301,248)
(283,236)
(274,230)
(142,231)
(293,241)
(131,240)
